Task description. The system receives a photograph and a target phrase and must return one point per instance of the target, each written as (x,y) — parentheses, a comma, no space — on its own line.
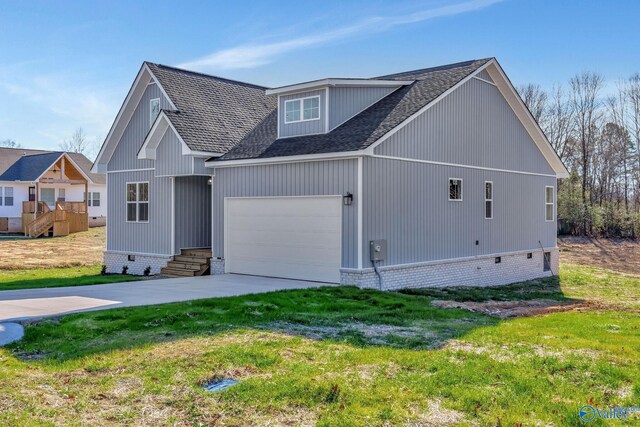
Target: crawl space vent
(220,385)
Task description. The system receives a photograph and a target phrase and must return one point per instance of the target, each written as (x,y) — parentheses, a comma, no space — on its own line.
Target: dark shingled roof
(21,164)
(29,168)
(213,114)
(365,128)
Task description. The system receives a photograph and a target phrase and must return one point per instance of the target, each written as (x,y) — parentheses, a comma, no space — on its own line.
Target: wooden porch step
(177,272)
(197,252)
(191,259)
(184,265)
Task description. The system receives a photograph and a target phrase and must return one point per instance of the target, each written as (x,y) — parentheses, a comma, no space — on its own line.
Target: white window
(455,189)
(48,195)
(548,204)
(8,196)
(137,202)
(96,199)
(62,194)
(154,110)
(302,109)
(488,200)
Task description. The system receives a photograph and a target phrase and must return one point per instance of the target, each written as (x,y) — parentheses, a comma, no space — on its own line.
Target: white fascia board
(139,86)
(67,157)
(337,83)
(514,100)
(153,138)
(284,159)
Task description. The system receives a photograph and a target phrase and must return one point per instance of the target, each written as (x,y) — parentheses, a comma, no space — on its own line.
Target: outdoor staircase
(43,223)
(190,262)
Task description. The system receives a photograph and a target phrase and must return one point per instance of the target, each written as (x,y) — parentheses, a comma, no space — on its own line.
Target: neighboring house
(30,178)
(444,168)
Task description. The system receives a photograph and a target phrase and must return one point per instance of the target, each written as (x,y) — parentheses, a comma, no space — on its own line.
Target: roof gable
(18,164)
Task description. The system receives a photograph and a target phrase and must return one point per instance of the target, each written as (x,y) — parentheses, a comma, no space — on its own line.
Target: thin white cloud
(89,107)
(256,54)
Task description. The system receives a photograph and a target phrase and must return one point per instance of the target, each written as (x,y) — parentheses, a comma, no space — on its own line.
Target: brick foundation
(480,271)
(116,260)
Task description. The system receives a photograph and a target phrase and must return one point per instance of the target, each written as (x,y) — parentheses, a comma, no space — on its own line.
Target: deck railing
(30,207)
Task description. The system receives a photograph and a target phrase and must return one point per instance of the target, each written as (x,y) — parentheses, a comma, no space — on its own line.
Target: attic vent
(220,385)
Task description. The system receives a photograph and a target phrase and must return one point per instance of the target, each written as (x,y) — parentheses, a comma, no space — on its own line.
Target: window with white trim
(488,200)
(93,199)
(62,195)
(48,195)
(137,202)
(302,109)
(154,110)
(455,190)
(548,203)
(6,196)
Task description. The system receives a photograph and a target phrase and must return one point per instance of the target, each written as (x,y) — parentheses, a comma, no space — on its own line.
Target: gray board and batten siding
(346,102)
(320,178)
(153,237)
(125,156)
(193,212)
(473,125)
(169,158)
(407,203)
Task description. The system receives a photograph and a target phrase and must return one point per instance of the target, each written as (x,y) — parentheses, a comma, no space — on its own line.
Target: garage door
(290,237)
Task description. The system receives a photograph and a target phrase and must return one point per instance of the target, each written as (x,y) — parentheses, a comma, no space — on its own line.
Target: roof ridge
(211,76)
(433,69)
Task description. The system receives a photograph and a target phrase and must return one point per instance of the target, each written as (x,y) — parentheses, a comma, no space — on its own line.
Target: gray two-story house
(432,177)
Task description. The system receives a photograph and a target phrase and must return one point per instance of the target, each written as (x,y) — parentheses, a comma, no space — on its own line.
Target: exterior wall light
(210,181)
(348,199)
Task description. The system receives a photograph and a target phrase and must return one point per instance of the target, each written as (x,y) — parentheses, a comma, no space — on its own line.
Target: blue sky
(66,64)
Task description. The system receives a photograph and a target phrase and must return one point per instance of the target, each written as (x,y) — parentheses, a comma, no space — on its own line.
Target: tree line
(597,136)
(78,142)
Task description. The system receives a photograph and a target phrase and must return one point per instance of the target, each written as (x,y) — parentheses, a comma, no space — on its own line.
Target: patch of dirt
(437,415)
(526,308)
(508,309)
(75,250)
(618,255)
(378,334)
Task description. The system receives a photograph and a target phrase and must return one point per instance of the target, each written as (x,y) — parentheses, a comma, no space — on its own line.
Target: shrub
(125,268)
(103,270)
(147,270)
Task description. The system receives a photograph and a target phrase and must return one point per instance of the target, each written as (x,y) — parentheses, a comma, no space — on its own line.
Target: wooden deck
(67,217)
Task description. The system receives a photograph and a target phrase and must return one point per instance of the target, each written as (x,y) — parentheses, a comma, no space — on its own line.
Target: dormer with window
(320,106)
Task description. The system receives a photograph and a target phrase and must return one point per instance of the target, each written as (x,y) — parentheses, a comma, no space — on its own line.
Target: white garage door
(291,237)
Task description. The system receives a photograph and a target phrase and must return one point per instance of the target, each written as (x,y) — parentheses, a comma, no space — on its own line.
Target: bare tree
(559,124)
(535,98)
(78,143)
(9,143)
(585,102)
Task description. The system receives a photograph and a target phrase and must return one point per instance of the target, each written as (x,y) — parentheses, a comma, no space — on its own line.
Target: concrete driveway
(37,303)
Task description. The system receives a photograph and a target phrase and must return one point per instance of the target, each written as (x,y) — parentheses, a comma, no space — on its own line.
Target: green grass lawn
(333,356)
(56,277)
